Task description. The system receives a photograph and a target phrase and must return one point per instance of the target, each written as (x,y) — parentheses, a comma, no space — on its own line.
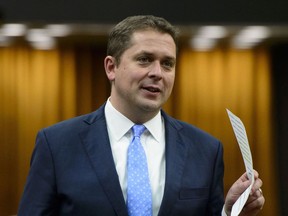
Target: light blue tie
(139,197)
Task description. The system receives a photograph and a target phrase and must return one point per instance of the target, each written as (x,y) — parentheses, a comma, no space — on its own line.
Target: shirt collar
(114,118)
(155,126)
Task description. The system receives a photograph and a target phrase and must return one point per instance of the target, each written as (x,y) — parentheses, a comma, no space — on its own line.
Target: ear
(110,67)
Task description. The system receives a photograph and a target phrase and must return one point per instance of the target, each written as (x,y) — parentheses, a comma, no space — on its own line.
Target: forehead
(153,41)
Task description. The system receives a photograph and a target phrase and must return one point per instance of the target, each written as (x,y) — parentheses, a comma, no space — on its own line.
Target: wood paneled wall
(39,88)
(208,83)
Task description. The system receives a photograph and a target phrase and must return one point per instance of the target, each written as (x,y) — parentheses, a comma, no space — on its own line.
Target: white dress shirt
(153,141)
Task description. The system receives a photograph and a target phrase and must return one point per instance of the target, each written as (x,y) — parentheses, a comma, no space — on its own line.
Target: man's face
(144,78)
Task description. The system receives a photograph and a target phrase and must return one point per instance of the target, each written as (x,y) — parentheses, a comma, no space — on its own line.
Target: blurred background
(232,54)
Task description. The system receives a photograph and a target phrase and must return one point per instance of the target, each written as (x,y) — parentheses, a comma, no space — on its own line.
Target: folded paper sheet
(241,136)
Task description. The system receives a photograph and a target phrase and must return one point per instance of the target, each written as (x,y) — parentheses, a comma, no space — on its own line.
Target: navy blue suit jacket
(72,171)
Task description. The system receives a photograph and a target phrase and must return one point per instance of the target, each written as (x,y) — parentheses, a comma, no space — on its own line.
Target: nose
(156,71)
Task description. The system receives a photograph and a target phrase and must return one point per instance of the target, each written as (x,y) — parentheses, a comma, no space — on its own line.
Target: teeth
(152,89)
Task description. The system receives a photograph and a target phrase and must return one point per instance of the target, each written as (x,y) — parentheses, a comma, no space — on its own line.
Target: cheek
(133,75)
(125,72)
(169,80)
(122,75)
(127,78)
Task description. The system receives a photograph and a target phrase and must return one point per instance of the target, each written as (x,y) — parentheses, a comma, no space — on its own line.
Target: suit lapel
(98,149)
(176,154)
(96,143)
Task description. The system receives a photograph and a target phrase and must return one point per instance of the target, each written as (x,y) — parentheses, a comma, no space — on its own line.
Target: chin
(151,107)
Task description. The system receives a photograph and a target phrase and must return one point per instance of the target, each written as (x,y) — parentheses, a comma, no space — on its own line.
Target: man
(79,167)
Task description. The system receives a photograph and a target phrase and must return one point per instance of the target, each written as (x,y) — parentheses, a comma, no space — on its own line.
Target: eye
(169,64)
(144,59)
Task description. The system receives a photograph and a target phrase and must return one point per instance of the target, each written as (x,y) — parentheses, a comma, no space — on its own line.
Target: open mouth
(152,89)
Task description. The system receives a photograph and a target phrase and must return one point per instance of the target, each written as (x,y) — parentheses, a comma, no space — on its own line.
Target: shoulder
(192,134)
(76,124)
(185,127)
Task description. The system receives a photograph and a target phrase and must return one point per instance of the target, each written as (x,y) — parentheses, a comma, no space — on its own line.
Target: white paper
(241,136)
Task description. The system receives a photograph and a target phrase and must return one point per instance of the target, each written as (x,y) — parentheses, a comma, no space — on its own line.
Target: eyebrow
(150,54)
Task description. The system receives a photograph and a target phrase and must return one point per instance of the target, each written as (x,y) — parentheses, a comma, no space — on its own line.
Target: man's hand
(255,201)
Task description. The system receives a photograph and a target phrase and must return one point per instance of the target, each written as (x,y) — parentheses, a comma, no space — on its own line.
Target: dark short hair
(120,37)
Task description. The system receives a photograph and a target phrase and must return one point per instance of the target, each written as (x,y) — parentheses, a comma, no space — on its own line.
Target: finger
(244,177)
(255,206)
(256,174)
(254,197)
(258,193)
(256,186)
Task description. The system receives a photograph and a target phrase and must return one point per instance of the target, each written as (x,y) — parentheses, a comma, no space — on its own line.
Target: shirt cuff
(223,211)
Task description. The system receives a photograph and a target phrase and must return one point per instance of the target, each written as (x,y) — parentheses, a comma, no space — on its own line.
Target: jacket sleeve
(40,193)
(216,201)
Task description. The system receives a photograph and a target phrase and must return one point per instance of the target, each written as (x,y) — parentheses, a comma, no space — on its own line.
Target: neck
(137,115)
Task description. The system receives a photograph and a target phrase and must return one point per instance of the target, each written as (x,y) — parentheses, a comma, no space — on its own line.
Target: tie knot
(138,130)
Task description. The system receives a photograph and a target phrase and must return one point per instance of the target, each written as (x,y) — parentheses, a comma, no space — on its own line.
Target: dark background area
(279,57)
(177,12)
(185,12)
